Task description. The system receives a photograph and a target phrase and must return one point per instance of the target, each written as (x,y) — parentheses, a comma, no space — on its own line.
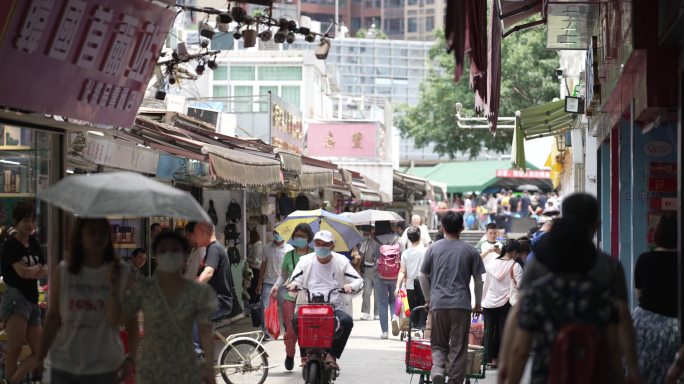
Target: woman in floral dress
(171,305)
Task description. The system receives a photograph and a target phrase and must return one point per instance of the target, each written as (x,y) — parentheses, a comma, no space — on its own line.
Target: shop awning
(465,176)
(290,162)
(545,120)
(243,168)
(312,177)
(414,183)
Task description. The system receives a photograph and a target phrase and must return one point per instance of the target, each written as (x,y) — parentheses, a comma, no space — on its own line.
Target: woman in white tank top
(81,331)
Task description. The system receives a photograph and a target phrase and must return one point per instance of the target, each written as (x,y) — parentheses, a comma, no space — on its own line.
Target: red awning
(467,34)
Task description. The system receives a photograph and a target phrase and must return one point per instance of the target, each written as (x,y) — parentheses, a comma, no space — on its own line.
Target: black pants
(495,321)
(346,324)
(254,296)
(416,299)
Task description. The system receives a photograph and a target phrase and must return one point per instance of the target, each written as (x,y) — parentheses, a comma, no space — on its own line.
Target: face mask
(277,238)
(170,262)
(299,242)
(323,252)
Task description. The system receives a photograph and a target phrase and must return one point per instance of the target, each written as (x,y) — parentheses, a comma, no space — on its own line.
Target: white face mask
(170,262)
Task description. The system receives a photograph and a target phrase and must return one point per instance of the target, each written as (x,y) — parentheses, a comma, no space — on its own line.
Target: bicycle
(243,359)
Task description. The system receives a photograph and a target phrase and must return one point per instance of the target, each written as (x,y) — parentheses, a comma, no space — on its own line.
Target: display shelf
(2,194)
(125,245)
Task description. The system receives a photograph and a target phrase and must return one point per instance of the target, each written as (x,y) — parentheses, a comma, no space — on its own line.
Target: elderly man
(425,240)
(320,273)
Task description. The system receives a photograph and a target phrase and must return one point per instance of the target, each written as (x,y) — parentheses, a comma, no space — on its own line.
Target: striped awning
(312,177)
(240,167)
(545,120)
(290,162)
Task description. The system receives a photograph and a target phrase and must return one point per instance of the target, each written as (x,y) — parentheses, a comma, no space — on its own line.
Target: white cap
(324,236)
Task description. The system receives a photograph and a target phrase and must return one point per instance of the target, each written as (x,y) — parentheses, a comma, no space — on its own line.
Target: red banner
(519,174)
(656,184)
(83,59)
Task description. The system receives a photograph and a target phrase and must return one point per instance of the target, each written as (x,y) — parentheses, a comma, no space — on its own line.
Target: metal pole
(337,16)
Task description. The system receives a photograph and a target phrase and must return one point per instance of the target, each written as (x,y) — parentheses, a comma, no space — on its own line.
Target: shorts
(13,301)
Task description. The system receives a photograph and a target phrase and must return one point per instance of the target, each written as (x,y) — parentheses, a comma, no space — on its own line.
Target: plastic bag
(271,318)
(476,335)
(404,301)
(397,306)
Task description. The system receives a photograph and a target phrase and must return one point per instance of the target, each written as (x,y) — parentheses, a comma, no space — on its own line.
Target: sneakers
(395,326)
(289,363)
(384,336)
(438,379)
(366,317)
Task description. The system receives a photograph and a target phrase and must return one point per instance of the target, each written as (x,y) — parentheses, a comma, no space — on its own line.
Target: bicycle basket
(316,326)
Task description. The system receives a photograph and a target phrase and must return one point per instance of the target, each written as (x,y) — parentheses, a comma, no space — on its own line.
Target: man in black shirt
(215,268)
(513,201)
(524,205)
(215,271)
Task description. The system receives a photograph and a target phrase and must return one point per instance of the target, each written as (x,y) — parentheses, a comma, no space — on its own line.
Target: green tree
(528,78)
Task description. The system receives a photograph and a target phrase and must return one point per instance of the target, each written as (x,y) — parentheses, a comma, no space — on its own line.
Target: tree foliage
(528,78)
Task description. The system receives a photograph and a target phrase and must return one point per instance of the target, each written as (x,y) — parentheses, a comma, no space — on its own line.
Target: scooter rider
(321,272)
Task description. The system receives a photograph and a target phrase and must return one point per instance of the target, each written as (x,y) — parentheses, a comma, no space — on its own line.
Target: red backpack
(578,356)
(389,260)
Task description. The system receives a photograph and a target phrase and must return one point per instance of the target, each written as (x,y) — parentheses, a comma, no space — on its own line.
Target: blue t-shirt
(535,238)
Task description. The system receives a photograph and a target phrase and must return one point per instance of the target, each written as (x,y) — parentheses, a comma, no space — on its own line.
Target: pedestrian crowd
(555,307)
(501,208)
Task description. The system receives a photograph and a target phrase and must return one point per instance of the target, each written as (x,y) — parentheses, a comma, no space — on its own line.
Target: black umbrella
(528,187)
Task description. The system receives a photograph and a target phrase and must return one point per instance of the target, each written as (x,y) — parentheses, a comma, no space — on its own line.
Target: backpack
(230,232)
(234,255)
(212,212)
(389,260)
(578,356)
(234,212)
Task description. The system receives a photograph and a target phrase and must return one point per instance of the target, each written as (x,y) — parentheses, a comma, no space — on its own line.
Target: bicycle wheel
(313,373)
(249,359)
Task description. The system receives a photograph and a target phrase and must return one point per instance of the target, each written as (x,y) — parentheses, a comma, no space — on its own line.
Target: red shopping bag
(271,318)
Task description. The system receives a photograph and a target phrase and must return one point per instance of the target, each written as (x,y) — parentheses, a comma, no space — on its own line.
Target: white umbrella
(372,215)
(122,195)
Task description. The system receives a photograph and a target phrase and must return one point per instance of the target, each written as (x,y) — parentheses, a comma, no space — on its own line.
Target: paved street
(367,359)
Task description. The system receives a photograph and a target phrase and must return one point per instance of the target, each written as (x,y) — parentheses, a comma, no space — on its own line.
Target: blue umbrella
(343,230)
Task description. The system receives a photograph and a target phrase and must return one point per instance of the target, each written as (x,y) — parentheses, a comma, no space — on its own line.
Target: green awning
(465,176)
(545,120)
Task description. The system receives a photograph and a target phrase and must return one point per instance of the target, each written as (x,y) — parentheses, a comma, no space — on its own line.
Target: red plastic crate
(316,326)
(419,354)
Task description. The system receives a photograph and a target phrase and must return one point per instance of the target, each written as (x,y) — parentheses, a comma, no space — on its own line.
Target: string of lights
(244,26)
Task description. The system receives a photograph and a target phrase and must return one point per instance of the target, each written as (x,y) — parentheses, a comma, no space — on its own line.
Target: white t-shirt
(85,344)
(412,258)
(322,280)
(273,256)
(193,264)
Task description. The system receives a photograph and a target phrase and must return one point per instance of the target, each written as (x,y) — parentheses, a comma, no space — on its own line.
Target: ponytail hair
(510,246)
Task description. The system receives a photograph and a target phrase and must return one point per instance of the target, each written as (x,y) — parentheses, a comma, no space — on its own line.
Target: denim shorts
(13,301)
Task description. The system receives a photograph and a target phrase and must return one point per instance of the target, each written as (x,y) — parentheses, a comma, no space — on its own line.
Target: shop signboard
(340,139)
(178,168)
(520,174)
(663,204)
(286,126)
(85,60)
(661,184)
(662,169)
(120,155)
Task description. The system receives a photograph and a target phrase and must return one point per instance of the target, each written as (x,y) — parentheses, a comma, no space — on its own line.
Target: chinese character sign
(343,140)
(520,174)
(286,128)
(83,59)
